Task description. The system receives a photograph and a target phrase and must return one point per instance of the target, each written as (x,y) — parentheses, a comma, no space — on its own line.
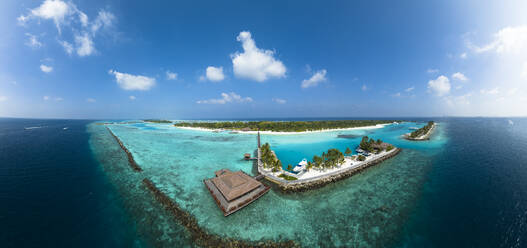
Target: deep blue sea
(59,189)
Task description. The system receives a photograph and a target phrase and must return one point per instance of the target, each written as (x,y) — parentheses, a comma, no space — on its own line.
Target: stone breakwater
(131,160)
(198,234)
(320,182)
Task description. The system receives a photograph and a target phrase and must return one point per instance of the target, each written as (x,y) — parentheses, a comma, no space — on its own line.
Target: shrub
(361,158)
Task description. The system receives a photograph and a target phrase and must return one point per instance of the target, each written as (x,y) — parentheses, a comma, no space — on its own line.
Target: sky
(114,59)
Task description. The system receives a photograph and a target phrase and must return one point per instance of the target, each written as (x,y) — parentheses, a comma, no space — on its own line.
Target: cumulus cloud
(255,63)
(32,41)
(463,55)
(55,10)
(84,45)
(213,74)
(104,19)
(459,76)
(132,98)
(318,77)
(440,86)
(226,98)
(279,101)
(506,40)
(410,89)
(68,15)
(493,91)
(45,68)
(171,75)
(68,47)
(133,82)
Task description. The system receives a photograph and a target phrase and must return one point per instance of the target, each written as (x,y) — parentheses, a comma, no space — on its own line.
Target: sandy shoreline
(284,133)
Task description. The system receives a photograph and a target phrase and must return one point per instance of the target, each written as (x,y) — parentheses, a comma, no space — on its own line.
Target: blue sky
(248,59)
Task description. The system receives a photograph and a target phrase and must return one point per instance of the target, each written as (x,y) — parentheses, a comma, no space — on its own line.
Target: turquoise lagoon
(365,210)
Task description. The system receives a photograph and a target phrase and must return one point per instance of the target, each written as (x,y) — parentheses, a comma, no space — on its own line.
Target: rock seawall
(131,160)
(198,234)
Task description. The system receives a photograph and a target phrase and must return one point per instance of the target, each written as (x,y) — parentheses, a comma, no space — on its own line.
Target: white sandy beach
(285,133)
(348,164)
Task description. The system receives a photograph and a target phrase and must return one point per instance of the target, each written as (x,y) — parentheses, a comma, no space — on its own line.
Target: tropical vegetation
(283,126)
(269,159)
(422,131)
(157,121)
(287,177)
(330,159)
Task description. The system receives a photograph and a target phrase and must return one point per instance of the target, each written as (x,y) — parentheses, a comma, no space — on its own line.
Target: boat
(413,128)
(300,166)
(66,128)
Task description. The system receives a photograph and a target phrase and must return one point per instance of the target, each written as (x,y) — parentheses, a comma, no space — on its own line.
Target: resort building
(234,190)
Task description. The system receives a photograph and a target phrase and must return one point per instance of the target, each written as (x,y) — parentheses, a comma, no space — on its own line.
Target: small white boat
(66,128)
(300,166)
(29,128)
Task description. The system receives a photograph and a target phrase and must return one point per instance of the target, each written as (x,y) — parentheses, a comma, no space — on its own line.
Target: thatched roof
(234,184)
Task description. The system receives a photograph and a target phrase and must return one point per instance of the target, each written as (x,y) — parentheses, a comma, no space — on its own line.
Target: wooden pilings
(131,160)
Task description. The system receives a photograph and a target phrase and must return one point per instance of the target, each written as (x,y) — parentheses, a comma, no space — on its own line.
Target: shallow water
(467,187)
(367,209)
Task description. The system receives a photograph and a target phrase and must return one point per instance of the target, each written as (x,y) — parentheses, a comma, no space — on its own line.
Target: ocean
(73,187)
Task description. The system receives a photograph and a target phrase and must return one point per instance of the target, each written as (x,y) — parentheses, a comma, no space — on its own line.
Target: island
(158,121)
(421,134)
(329,167)
(283,126)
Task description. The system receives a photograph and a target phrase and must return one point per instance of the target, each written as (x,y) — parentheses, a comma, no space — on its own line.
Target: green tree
(348,151)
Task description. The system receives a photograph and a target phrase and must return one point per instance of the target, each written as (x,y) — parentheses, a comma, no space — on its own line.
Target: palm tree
(348,151)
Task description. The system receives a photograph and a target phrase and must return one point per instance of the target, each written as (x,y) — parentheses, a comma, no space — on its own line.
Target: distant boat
(511,123)
(300,166)
(29,128)
(66,128)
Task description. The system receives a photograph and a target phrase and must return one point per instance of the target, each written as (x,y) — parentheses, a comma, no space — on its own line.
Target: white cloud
(68,47)
(493,91)
(171,75)
(32,41)
(512,91)
(255,63)
(84,45)
(279,101)
(226,98)
(463,55)
(432,71)
(440,86)
(524,71)
(410,89)
(364,87)
(103,19)
(318,77)
(398,94)
(506,40)
(64,14)
(90,100)
(459,76)
(46,69)
(45,98)
(55,10)
(214,74)
(58,99)
(132,98)
(3,98)
(133,82)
